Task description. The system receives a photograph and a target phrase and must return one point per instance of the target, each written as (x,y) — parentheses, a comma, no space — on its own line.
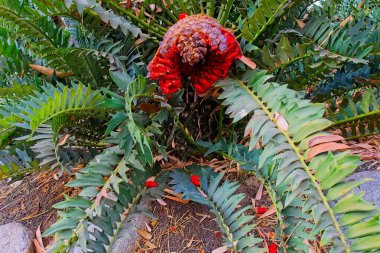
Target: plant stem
(183,8)
(157,31)
(211,8)
(226,12)
(221,9)
(195,7)
(220,127)
(290,62)
(355,118)
(269,21)
(183,129)
(168,11)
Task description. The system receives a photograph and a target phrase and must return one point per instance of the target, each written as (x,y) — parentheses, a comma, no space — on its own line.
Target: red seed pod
(196,46)
(261,210)
(150,184)
(182,15)
(272,248)
(195,179)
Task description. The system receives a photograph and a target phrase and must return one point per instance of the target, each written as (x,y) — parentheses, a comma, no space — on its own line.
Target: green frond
(43,115)
(12,55)
(95,206)
(45,35)
(107,16)
(223,202)
(64,152)
(16,164)
(285,125)
(17,91)
(285,54)
(265,14)
(34,110)
(336,41)
(358,119)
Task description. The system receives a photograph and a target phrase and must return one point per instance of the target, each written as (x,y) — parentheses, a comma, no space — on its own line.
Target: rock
(15,238)
(372,188)
(129,236)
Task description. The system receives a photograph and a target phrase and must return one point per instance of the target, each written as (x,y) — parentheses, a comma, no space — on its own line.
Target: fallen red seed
(182,15)
(195,179)
(261,210)
(272,248)
(150,184)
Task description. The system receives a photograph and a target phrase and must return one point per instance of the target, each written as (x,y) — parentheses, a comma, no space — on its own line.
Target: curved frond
(265,14)
(310,174)
(45,35)
(342,40)
(107,16)
(33,110)
(16,164)
(223,202)
(358,119)
(95,206)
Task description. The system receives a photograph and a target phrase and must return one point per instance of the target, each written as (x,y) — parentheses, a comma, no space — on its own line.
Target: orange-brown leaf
(101,194)
(300,23)
(177,199)
(150,108)
(144,234)
(247,61)
(324,147)
(49,72)
(326,138)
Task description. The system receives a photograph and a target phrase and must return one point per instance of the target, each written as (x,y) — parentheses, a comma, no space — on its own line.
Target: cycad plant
(110,84)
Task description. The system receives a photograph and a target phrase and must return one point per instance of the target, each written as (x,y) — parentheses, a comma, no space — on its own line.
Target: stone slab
(372,188)
(16,238)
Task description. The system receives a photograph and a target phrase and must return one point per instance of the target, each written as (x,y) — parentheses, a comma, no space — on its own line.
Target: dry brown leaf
(344,22)
(158,158)
(101,194)
(177,199)
(63,140)
(324,147)
(149,108)
(149,246)
(247,61)
(327,38)
(259,193)
(147,227)
(222,249)
(362,145)
(188,245)
(161,202)
(204,216)
(322,139)
(38,244)
(144,234)
(49,72)
(167,190)
(300,23)
(281,121)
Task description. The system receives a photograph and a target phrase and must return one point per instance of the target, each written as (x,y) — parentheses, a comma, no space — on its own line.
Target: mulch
(179,227)
(30,201)
(191,227)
